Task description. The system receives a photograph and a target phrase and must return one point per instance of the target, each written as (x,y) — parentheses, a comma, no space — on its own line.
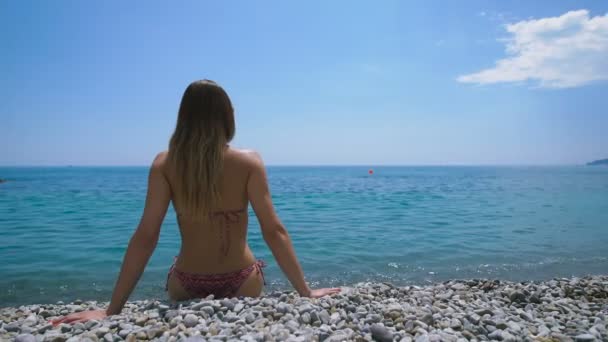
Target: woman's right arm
(274,232)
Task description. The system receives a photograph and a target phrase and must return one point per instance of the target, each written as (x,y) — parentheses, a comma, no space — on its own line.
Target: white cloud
(557,52)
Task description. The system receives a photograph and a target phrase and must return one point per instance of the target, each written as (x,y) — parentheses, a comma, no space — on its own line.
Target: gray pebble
(422,338)
(227,303)
(123,333)
(54,336)
(534,298)
(198,306)
(305,308)
(517,297)
(324,317)
(231,317)
(427,319)
(337,337)
(102,331)
(282,307)
(305,318)
(501,325)
(314,316)
(584,338)
(46,314)
(30,320)
(196,338)
(543,331)
(526,316)
(473,318)
(238,307)
(323,336)
(27,330)
(25,338)
(381,333)
(190,320)
(208,309)
(90,324)
(375,318)
(249,318)
(507,337)
(455,324)
(65,327)
(496,335)
(44,328)
(484,311)
(11,327)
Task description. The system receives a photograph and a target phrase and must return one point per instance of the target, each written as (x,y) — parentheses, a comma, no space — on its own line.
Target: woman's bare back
(218,244)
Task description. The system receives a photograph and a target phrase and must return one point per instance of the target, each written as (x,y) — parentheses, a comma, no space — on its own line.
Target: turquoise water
(63,230)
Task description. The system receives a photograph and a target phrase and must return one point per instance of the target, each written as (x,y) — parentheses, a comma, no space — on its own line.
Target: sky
(312,82)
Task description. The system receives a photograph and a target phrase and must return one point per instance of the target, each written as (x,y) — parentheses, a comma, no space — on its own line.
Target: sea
(64,230)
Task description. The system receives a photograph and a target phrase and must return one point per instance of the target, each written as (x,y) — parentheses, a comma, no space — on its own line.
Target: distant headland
(599,162)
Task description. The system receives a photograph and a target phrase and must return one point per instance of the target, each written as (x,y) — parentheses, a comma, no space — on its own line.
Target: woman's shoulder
(246,156)
(160,162)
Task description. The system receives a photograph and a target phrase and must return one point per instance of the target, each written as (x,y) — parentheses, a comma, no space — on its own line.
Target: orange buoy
(371,172)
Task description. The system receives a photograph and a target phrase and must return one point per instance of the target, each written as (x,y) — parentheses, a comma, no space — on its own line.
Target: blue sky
(327,82)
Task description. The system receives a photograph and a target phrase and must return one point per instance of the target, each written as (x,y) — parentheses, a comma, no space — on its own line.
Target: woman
(210,185)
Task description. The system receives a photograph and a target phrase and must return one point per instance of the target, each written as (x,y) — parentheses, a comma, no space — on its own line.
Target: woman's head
(205,125)
(206,113)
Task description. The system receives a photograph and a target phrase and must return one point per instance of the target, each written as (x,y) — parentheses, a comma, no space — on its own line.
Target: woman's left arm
(141,246)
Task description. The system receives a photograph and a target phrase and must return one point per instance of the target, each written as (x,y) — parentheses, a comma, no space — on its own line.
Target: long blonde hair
(205,125)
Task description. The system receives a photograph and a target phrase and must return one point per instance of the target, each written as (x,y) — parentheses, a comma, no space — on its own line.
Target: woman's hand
(81,317)
(318,293)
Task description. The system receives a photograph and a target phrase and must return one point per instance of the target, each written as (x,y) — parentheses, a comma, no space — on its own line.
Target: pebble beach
(561,309)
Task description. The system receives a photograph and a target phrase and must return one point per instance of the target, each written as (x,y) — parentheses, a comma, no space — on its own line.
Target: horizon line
(310,165)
